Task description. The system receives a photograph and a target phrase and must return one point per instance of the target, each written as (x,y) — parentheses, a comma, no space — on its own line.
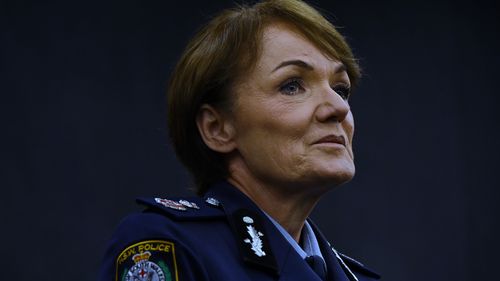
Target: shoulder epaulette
(192,208)
(358,266)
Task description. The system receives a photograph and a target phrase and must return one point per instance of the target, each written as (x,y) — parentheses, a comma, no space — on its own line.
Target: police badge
(152,260)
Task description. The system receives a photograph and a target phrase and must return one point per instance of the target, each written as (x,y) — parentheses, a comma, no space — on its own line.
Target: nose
(331,107)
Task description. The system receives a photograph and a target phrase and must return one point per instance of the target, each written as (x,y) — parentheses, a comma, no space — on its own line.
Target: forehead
(283,41)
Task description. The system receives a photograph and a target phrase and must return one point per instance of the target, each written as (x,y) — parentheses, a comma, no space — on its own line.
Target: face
(292,118)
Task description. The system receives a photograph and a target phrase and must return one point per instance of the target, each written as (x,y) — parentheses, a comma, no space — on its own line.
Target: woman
(259,113)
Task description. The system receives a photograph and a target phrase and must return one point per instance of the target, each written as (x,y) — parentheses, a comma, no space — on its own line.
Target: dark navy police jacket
(223,236)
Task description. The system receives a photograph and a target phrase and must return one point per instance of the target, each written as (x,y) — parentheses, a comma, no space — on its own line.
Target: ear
(215,129)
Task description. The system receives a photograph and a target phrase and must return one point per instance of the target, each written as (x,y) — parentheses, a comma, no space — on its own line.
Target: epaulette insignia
(189,204)
(182,209)
(212,201)
(147,260)
(180,205)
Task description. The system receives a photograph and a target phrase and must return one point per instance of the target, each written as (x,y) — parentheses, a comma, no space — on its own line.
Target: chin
(336,175)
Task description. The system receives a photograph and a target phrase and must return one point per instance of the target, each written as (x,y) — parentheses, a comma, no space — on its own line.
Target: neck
(289,206)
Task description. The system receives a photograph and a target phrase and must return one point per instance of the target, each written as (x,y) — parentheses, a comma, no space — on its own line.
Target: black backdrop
(83,132)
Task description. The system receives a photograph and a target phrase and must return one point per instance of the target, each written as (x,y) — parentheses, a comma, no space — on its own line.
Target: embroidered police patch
(152,260)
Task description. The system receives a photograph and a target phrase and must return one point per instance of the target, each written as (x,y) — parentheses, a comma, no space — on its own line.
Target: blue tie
(318,265)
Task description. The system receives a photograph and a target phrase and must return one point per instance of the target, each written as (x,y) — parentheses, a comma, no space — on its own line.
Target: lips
(331,139)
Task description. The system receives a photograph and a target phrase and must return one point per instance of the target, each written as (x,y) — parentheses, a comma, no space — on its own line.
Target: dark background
(83,132)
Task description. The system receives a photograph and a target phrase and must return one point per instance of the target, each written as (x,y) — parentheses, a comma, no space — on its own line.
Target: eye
(292,87)
(343,91)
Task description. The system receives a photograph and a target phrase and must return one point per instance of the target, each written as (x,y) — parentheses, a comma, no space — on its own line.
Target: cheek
(285,123)
(348,125)
(271,139)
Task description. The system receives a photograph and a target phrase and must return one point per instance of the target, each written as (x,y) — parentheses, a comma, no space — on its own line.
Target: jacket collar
(253,230)
(273,252)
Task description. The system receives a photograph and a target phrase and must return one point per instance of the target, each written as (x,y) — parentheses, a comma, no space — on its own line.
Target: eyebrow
(300,63)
